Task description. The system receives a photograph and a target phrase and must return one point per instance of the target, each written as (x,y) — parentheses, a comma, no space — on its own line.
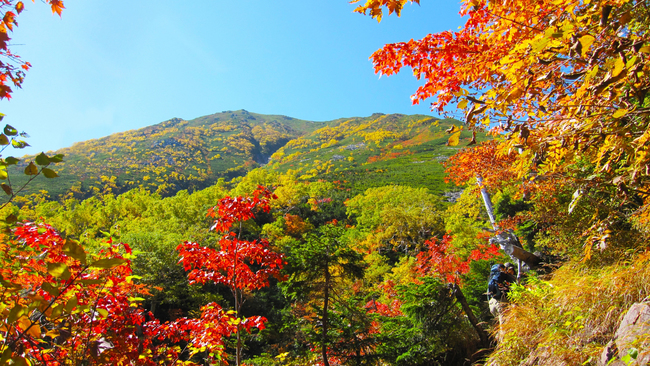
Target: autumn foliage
(484,160)
(440,260)
(62,305)
(239,264)
(564,82)
(12,68)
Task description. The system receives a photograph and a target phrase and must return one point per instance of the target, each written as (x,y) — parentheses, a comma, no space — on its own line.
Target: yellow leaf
(645,49)
(619,66)
(620,113)
(24,323)
(462,104)
(454,139)
(515,94)
(586,41)
(103,312)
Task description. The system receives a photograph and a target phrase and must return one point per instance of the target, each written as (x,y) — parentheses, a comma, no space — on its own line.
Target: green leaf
(31,169)
(42,159)
(74,250)
(7,189)
(10,131)
(91,282)
(49,173)
(70,305)
(633,352)
(56,269)
(4,140)
(103,312)
(56,158)
(6,355)
(11,219)
(10,160)
(56,311)
(15,313)
(108,263)
(19,144)
(50,289)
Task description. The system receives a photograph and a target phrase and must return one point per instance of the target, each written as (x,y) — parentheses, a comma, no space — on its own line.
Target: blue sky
(111,66)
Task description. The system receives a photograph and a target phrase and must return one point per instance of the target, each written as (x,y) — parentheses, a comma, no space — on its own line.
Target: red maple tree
(241,265)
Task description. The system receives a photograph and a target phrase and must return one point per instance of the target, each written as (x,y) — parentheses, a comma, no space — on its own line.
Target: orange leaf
(57,6)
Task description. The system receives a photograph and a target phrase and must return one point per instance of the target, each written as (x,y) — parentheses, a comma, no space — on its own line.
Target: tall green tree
(320,267)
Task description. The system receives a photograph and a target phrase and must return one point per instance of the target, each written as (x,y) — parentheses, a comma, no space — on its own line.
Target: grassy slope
(175,154)
(178,154)
(375,151)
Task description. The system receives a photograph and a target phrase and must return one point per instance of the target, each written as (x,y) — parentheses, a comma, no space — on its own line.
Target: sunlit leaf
(454,139)
(107,263)
(74,250)
(620,113)
(49,173)
(71,304)
(50,289)
(56,269)
(16,312)
(10,131)
(42,159)
(31,169)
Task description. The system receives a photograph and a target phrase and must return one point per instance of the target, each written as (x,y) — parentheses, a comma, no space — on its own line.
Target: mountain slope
(375,151)
(179,154)
(174,154)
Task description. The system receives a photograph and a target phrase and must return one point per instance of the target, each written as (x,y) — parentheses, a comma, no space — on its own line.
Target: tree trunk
(325,319)
(487,201)
(238,348)
(470,315)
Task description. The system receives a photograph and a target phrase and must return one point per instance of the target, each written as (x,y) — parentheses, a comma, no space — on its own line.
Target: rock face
(633,333)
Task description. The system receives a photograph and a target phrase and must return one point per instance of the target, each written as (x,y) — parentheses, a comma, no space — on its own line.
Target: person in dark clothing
(498,287)
(510,274)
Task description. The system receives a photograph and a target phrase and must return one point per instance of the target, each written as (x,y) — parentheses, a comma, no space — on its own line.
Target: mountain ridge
(192,154)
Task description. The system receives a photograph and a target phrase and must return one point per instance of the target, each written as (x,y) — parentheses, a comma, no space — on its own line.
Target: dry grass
(570,318)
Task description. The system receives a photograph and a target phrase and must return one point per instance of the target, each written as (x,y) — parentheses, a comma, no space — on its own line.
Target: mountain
(375,151)
(179,154)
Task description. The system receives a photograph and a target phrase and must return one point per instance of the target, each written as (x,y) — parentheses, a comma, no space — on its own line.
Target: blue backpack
(496,277)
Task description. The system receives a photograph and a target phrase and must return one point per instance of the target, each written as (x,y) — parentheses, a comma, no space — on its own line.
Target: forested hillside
(175,154)
(178,154)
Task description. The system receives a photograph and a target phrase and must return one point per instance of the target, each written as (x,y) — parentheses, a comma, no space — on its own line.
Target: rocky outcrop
(632,336)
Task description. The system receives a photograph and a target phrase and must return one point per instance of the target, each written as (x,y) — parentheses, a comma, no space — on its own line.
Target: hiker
(510,273)
(498,287)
